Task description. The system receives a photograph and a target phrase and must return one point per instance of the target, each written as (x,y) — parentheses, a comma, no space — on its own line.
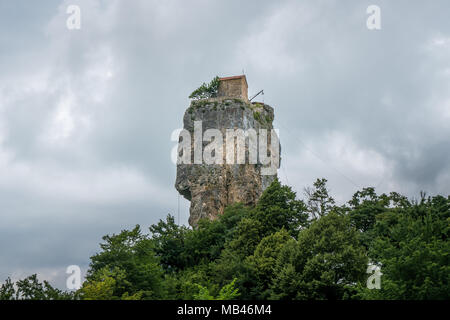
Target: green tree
(363,209)
(325,263)
(365,206)
(184,284)
(169,243)
(31,288)
(319,202)
(232,263)
(272,250)
(105,284)
(206,242)
(227,292)
(263,262)
(278,208)
(7,290)
(411,244)
(206,91)
(133,253)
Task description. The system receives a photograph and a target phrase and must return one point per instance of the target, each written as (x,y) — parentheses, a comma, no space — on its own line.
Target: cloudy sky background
(86,115)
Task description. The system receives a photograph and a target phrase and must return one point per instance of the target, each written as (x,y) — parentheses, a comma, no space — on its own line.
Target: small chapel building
(233,87)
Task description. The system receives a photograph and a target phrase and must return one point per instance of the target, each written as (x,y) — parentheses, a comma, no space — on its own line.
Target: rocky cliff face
(211,187)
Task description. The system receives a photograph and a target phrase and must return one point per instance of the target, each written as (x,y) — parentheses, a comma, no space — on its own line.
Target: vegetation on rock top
(206,91)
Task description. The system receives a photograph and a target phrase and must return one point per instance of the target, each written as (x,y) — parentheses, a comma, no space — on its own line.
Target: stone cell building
(233,87)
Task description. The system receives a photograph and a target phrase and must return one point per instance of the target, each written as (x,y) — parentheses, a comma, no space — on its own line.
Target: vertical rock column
(211,187)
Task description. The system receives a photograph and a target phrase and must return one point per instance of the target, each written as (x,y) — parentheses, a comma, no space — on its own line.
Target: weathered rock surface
(210,188)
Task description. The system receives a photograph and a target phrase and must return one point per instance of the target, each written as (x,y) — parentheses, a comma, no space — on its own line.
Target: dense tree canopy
(283,248)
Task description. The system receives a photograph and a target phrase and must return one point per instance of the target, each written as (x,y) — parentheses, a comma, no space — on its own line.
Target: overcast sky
(86,115)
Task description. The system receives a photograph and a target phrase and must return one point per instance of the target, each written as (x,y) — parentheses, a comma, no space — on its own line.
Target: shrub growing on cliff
(206,91)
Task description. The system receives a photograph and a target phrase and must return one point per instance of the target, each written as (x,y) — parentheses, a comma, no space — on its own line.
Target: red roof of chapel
(234,78)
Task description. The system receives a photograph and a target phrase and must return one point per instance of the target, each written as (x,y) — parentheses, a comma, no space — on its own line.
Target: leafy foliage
(323,263)
(319,202)
(228,292)
(104,286)
(278,208)
(206,91)
(31,288)
(132,262)
(168,239)
(411,243)
(282,248)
